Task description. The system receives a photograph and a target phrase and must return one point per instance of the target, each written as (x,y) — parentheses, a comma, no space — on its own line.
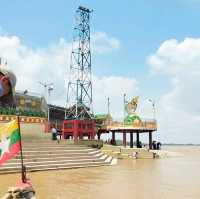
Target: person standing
(54,132)
(159,145)
(154,145)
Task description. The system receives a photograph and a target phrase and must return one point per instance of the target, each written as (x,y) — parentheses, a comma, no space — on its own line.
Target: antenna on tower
(79,91)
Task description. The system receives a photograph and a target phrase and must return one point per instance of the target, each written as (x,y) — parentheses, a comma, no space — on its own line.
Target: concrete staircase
(121,152)
(49,155)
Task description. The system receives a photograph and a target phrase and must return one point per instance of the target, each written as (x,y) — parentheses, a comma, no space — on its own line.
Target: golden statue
(131,106)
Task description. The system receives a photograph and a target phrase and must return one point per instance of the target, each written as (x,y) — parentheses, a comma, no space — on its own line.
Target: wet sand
(170,178)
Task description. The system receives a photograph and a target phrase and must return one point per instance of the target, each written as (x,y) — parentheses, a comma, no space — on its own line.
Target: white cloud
(179,108)
(34,65)
(177,58)
(113,87)
(102,43)
(51,64)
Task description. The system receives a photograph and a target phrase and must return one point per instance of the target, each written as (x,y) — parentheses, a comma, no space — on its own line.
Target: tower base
(78,129)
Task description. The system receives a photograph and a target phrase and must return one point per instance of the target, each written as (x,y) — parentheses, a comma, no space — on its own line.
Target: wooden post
(150,140)
(113,138)
(23,168)
(137,139)
(131,139)
(124,138)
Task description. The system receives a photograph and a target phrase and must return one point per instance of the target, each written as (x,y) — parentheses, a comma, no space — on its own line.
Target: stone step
(54,168)
(31,163)
(58,148)
(108,159)
(90,151)
(49,155)
(39,167)
(104,156)
(98,154)
(54,158)
(35,155)
(54,147)
(145,155)
(52,143)
(114,161)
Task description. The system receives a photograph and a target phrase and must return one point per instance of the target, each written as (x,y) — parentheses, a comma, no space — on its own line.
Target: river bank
(175,177)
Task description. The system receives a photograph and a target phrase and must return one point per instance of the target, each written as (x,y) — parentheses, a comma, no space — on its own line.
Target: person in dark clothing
(139,144)
(54,132)
(158,145)
(154,145)
(58,135)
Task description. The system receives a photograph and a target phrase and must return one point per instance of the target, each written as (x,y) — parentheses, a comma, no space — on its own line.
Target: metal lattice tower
(79,91)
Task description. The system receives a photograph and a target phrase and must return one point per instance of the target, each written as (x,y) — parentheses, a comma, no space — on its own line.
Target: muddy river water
(169,178)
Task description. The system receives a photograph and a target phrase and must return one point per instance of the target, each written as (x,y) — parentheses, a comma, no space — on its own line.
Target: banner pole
(23,168)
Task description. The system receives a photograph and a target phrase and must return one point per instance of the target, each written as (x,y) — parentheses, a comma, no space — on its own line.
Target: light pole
(154,108)
(124,106)
(47,88)
(50,88)
(108,104)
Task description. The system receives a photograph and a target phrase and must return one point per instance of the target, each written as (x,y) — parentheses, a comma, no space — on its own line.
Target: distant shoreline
(120,143)
(172,144)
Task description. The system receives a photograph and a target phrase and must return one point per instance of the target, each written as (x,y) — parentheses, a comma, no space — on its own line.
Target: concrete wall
(32,131)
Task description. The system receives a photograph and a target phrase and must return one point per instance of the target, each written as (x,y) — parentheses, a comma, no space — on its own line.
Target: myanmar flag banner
(9,140)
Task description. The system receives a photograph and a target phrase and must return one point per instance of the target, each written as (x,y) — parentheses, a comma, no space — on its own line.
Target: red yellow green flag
(9,140)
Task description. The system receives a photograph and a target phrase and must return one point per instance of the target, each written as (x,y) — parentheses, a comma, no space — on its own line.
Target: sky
(149,48)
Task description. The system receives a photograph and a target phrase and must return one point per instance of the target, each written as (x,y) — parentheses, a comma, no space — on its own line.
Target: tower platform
(145,126)
(77,129)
